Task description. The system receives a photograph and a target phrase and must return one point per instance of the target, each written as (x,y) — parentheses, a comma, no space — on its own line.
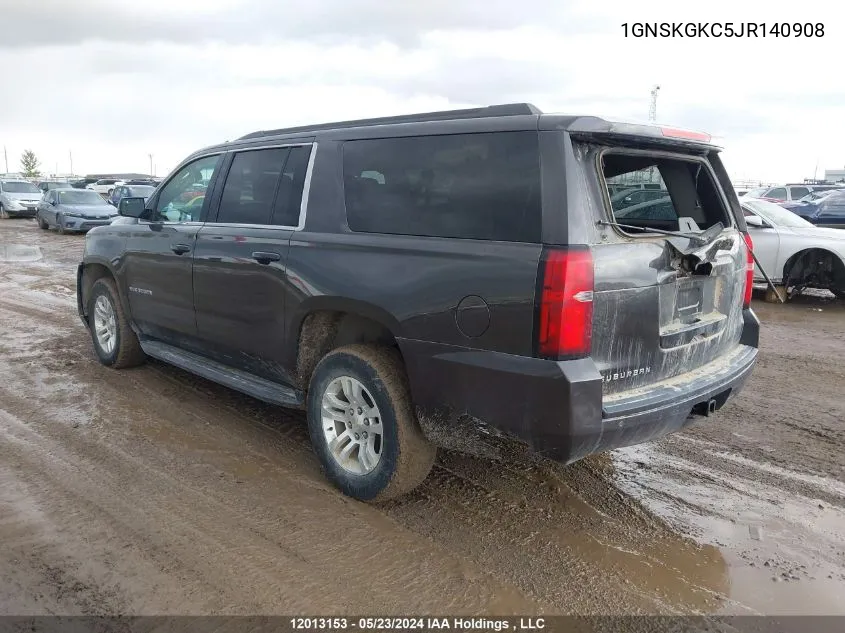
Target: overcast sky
(116,80)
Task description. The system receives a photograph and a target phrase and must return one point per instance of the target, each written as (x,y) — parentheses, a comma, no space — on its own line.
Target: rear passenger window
(798,192)
(475,186)
(667,194)
(250,188)
(289,197)
(779,193)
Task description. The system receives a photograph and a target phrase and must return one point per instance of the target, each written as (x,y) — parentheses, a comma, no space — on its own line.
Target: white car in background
(104,186)
(793,252)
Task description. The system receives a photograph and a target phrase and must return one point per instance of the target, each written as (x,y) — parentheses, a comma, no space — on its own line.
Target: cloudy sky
(116,80)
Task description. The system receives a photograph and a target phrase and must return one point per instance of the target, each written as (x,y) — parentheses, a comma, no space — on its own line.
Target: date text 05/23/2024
(417,624)
(792,30)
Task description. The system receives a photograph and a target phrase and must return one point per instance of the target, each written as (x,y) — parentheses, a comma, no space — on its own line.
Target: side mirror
(131,207)
(756,221)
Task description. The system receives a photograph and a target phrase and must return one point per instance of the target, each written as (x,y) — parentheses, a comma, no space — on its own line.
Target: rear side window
(798,192)
(779,193)
(289,196)
(250,188)
(473,186)
(667,194)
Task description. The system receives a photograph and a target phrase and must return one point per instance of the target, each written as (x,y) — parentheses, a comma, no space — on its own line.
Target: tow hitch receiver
(708,407)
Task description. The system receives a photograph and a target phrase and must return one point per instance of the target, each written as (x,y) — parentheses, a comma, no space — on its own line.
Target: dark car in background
(82,183)
(73,210)
(454,279)
(47,185)
(129,191)
(826,209)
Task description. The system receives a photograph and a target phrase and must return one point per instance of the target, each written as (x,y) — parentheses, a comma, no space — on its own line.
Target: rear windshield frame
(665,154)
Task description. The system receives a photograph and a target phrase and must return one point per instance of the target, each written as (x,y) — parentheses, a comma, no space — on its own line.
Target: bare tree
(29,164)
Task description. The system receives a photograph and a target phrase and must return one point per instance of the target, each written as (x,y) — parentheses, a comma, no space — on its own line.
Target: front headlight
(15,205)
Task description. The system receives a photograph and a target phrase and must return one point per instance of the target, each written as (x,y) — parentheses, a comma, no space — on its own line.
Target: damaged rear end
(672,334)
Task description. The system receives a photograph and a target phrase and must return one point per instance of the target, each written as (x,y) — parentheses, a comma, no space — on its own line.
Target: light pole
(652,108)
(151,164)
(70,155)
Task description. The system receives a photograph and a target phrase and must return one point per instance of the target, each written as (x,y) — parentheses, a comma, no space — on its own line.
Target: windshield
(20,187)
(80,196)
(776,214)
(141,191)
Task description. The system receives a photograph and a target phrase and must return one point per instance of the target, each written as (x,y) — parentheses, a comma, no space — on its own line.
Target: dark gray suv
(456,279)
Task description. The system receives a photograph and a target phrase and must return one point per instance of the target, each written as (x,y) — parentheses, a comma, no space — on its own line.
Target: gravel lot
(150,491)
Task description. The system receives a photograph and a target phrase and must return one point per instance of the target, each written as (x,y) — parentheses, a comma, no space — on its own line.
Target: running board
(266,390)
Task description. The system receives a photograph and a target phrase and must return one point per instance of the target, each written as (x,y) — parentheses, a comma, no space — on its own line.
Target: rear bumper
(557,408)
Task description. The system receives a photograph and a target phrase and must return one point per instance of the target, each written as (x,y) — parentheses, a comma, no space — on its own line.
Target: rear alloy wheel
(115,343)
(362,424)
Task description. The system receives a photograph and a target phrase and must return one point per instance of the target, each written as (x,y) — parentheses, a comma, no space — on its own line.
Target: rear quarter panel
(412,285)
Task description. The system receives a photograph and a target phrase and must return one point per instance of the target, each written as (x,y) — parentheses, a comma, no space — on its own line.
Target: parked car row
(59,205)
(790,192)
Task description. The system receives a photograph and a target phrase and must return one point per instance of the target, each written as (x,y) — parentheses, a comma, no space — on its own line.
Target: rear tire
(115,344)
(397,456)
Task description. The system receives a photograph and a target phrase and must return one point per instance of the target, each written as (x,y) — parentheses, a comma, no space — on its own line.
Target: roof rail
(507,109)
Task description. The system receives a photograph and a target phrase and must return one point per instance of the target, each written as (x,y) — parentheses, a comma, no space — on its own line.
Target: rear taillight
(565,309)
(749,271)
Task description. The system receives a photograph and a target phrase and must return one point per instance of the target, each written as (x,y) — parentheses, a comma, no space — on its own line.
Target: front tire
(115,344)
(362,424)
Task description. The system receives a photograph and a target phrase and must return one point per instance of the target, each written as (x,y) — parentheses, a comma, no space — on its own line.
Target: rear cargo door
(663,304)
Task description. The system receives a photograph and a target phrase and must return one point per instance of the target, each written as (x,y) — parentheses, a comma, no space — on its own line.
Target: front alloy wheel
(115,343)
(105,324)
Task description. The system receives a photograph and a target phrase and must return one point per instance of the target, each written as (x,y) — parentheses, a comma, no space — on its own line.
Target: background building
(834,175)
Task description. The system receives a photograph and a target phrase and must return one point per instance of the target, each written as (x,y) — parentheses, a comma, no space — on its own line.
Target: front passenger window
(182,199)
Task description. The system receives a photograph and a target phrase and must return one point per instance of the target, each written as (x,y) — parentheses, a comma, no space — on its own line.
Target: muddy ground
(150,491)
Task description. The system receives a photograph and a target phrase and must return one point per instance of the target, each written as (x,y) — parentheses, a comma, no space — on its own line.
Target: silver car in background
(74,210)
(18,198)
(794,252)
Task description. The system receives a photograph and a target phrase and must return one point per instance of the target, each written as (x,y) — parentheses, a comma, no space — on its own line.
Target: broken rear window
(654,192)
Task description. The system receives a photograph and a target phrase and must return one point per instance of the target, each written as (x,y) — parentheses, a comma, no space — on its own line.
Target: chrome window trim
(306,189)
(303,205)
